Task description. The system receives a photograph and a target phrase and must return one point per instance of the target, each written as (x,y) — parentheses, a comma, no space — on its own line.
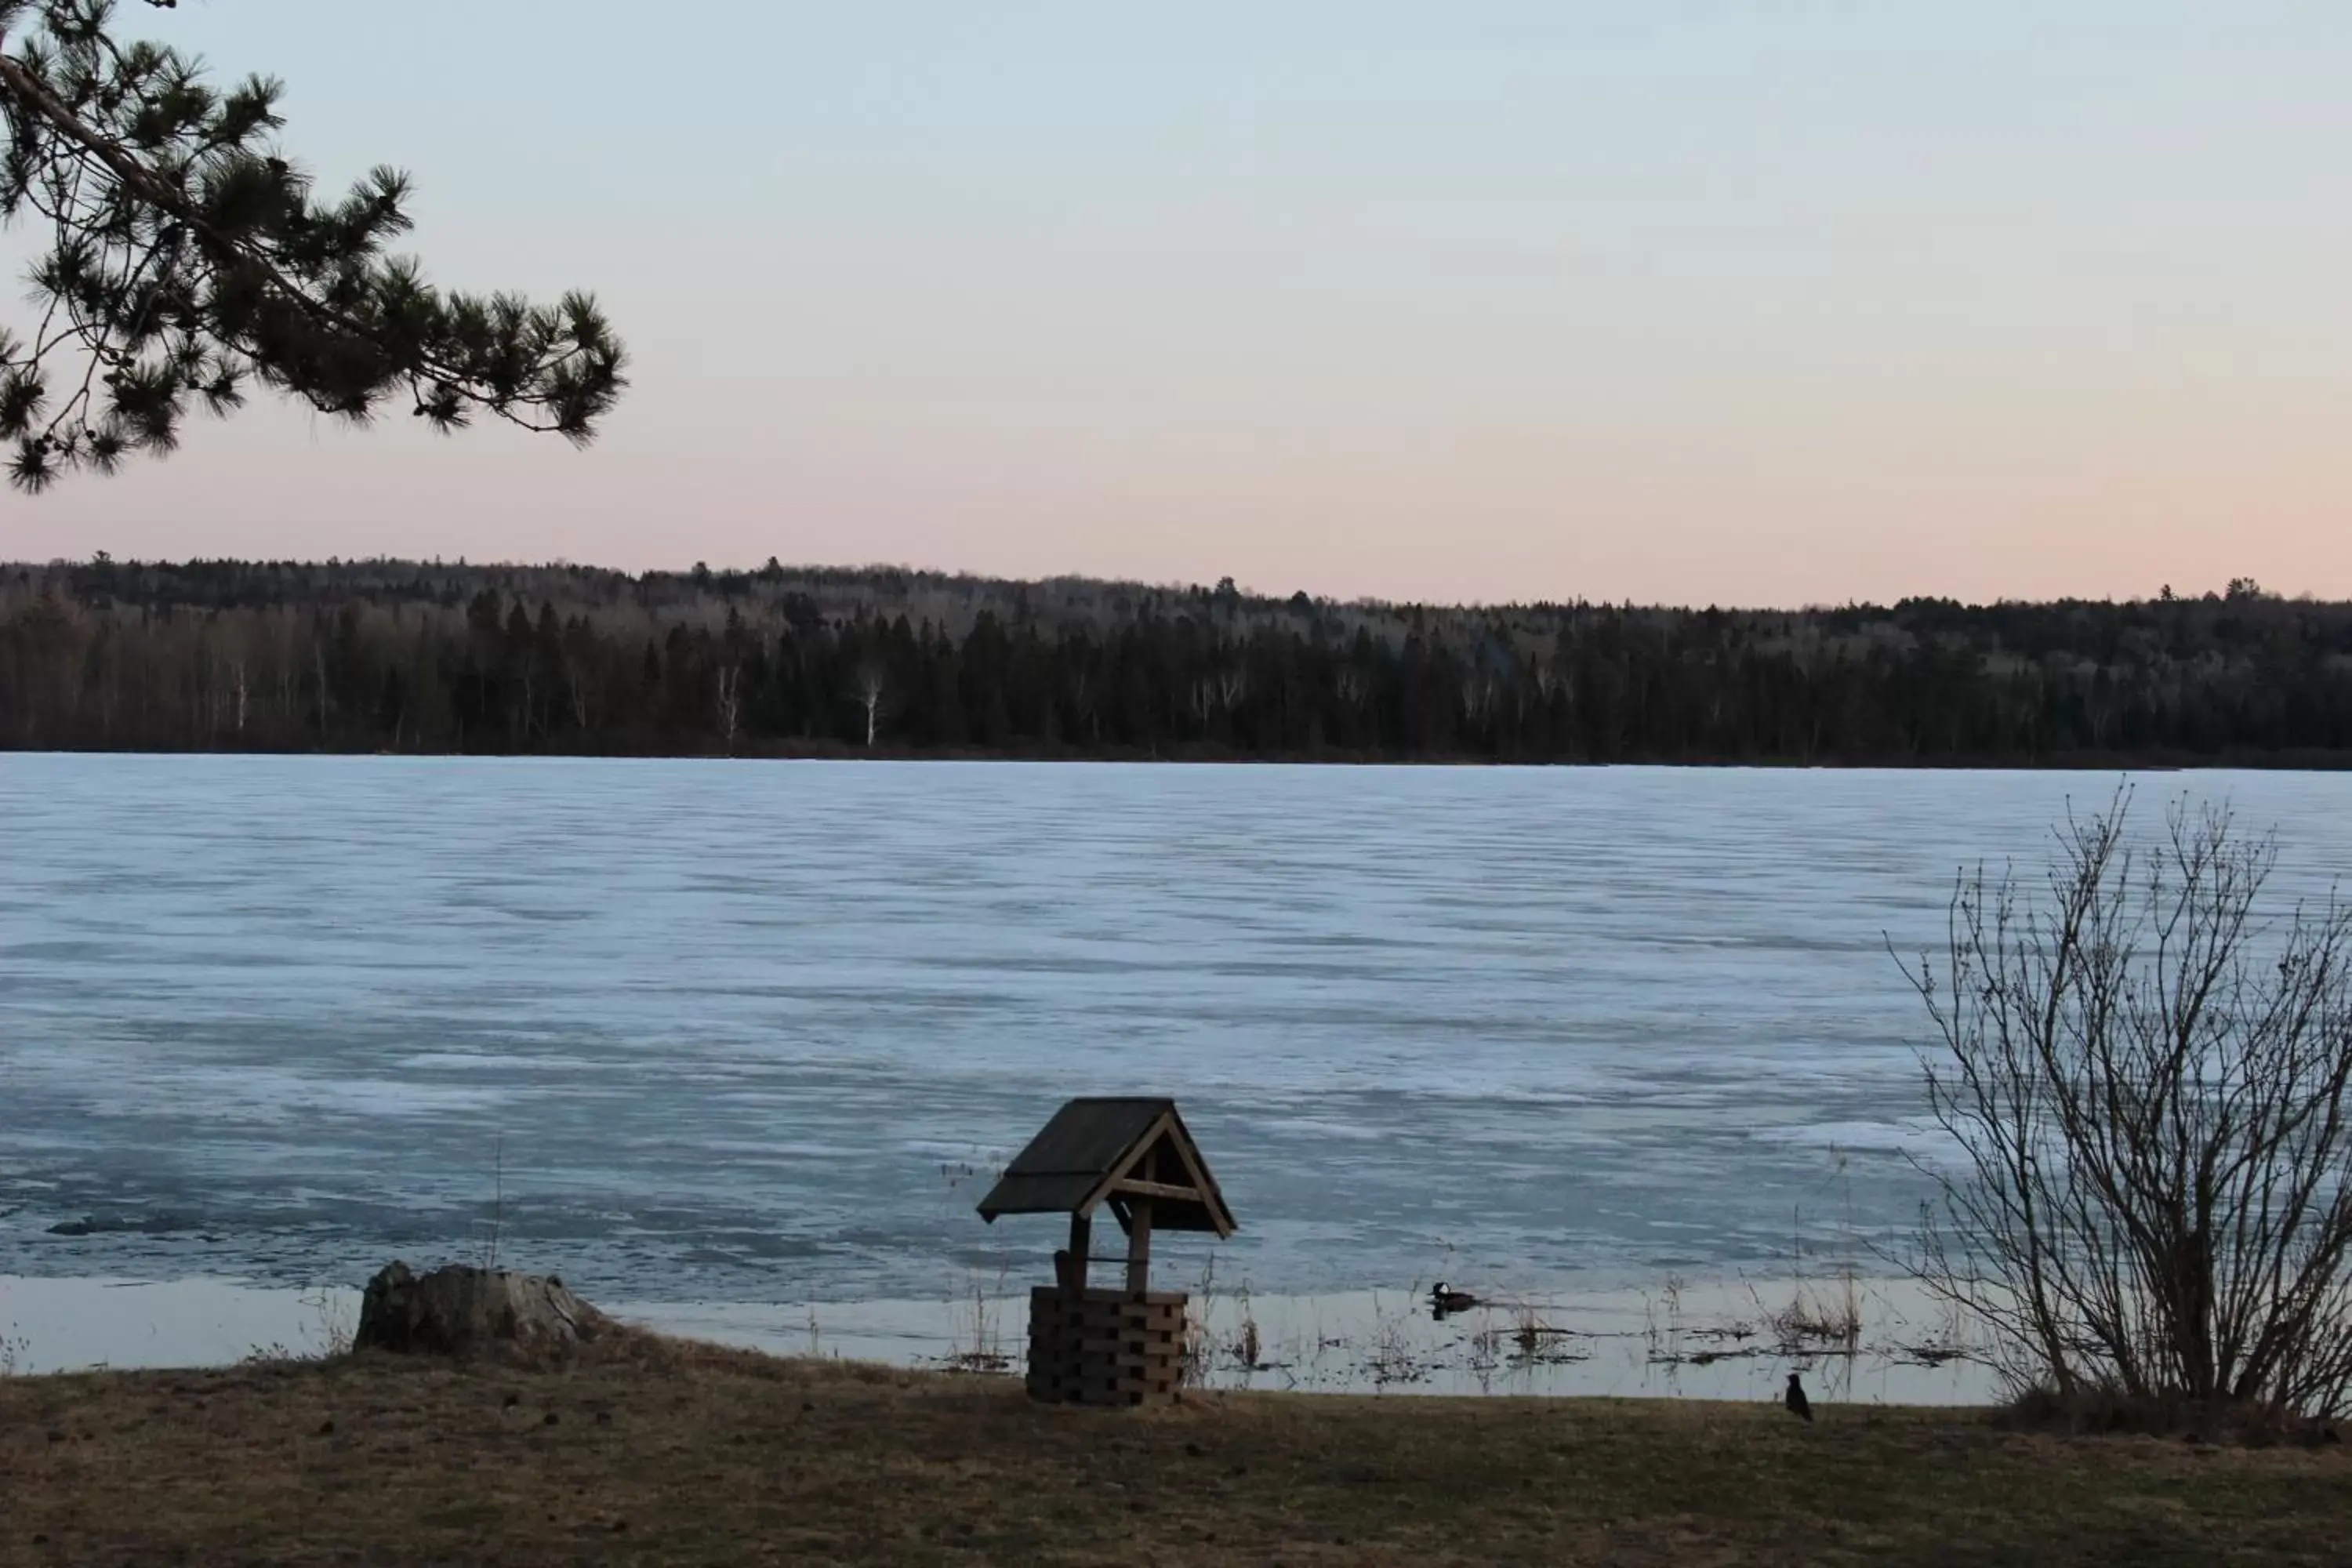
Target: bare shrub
(334,1316)
(2145,1070)
(494,1226)
(977,1341)
(1394,1358)
(1826,1319)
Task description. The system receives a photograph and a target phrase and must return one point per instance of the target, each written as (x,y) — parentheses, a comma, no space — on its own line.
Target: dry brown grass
(666,1454)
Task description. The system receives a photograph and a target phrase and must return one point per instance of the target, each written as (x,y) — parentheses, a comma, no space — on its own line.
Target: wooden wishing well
(1123,1346)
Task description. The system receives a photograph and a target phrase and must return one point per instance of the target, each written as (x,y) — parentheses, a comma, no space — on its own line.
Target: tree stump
(465,1311)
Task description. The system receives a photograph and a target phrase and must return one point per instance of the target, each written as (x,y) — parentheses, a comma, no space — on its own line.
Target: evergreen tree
(407,656)
(186,258)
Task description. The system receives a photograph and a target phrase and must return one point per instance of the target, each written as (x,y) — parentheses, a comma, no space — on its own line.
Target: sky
(1753,302)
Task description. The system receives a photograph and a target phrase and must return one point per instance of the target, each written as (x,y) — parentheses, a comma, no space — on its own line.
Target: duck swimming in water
(1444,1299)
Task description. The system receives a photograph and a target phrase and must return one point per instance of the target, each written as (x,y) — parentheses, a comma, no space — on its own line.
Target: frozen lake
(755,1033)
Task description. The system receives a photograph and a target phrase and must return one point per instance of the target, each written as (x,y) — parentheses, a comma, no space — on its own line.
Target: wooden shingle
(1117,1152)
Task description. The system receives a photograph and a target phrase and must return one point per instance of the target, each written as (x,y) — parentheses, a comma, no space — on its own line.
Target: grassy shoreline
(685,1453)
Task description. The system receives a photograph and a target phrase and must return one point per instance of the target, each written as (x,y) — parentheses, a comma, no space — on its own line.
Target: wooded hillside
(409,657)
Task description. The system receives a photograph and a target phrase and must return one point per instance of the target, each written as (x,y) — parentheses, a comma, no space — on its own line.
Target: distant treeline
(406,656)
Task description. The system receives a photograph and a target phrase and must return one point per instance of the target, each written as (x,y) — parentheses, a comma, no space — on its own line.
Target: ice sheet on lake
(757,1032)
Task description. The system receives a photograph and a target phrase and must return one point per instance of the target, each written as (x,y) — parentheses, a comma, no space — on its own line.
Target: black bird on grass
(1799,1405)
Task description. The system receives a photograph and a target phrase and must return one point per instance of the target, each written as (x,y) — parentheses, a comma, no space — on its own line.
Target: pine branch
(188,256)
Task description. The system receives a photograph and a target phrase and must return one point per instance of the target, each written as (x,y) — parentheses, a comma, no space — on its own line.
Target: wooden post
(1138,1247)
(1082,1241)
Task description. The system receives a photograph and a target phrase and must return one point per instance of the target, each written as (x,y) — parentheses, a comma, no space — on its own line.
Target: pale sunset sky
(1754,302)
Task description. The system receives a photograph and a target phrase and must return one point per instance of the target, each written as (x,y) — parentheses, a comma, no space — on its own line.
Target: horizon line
(2242,589)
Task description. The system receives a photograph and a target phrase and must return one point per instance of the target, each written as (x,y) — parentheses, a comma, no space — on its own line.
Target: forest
(411,657)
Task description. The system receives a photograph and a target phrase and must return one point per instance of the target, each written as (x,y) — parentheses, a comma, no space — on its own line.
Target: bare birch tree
(2145,1069)
(872,693)
(730,704)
